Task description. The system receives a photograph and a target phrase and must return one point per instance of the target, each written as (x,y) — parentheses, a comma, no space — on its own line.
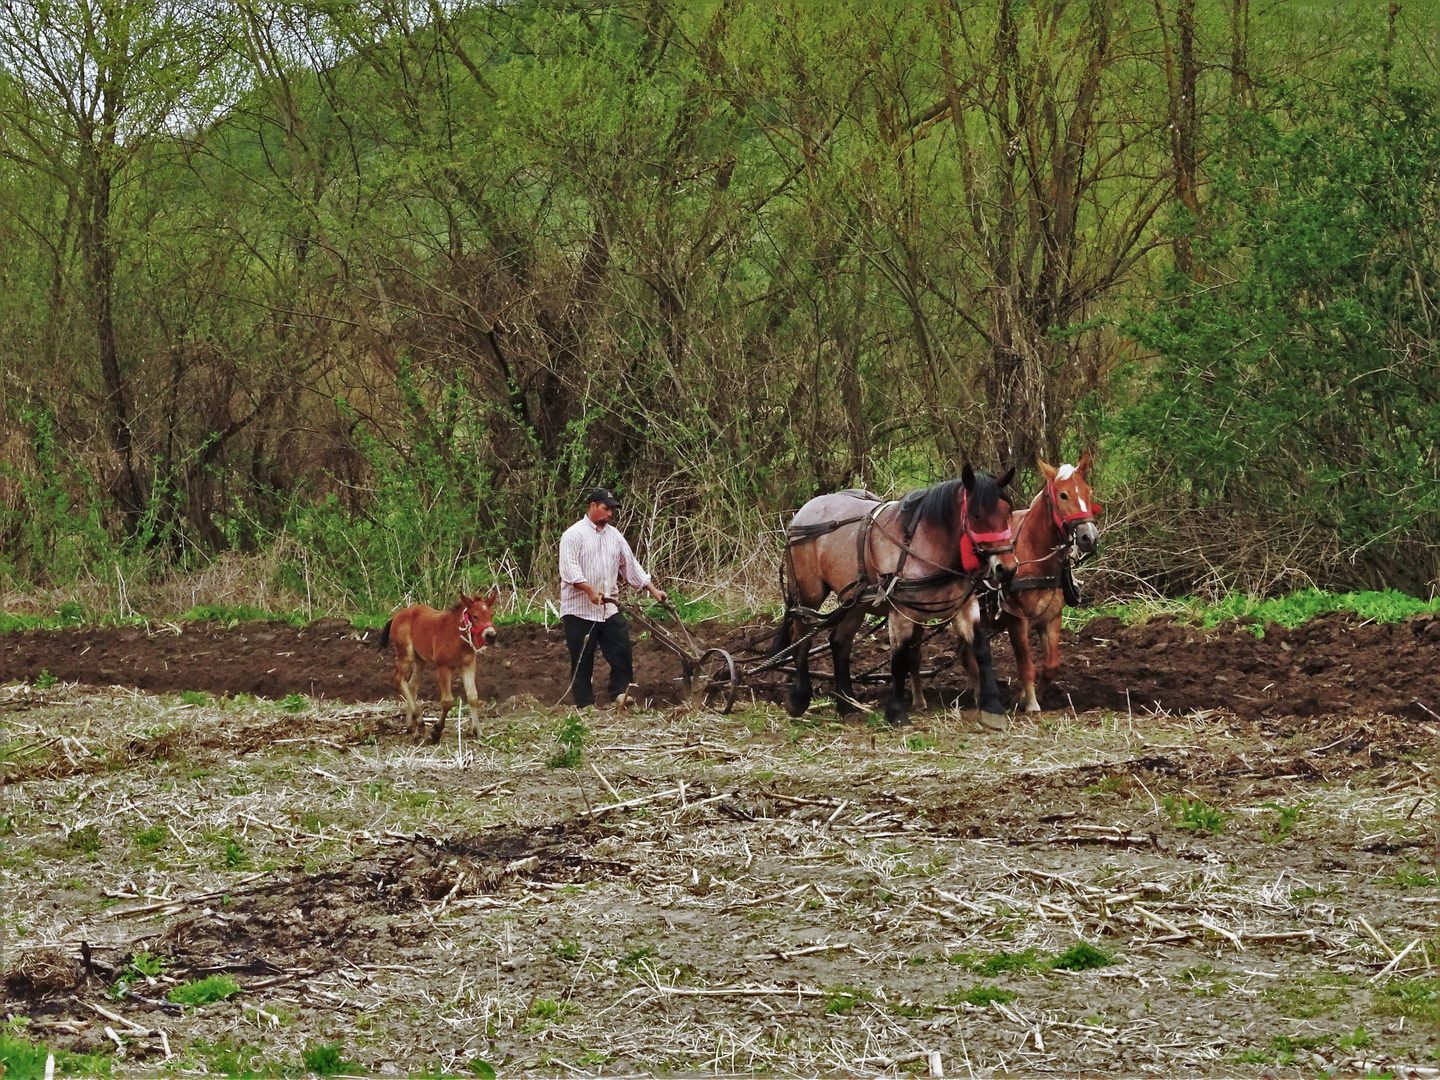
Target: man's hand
(659,594)
(590,591)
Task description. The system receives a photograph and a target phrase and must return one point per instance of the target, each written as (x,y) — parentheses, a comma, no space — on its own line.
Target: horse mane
(938,504)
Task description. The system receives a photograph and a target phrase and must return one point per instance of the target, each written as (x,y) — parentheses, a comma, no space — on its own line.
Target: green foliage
(234,856)
(1297,382)
(483,1069)
(294,703)
(1311,996)
(571,738)
(194,697)
(1082,956)
(566,950)
(21,1059)
(1415,998)
(994,964)
(980,995)
(235,614)
(1411,876)
(205,991)
(148,964)
(44,681)
(327,1059)
(1193,814)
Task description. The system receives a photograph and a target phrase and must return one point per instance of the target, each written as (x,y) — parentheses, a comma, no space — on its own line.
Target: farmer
(592,555)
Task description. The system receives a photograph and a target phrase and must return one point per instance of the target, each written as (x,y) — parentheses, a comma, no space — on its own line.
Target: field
(1215,854)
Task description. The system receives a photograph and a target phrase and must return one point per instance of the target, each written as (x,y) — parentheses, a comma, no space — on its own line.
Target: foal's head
(1071,503)
(477,619)
(986,525)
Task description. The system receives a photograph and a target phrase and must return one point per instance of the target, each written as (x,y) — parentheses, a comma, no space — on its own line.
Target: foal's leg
(404,669)
(1050,633)
(447,698)
(472,697)
(1019,630)
(412,696)
(842,644)
(904,637)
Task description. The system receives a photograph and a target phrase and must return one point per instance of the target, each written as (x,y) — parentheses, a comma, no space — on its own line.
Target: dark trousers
(613,638)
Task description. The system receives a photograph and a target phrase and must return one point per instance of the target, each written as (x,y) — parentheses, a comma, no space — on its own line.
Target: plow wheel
(713,681)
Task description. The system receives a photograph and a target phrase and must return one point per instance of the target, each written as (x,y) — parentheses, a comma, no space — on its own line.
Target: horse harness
(891,587)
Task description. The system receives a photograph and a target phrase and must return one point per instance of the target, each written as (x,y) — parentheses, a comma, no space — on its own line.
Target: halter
(973,544)
(467,631)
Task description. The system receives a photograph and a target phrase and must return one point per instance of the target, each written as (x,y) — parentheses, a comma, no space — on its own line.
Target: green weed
(229,1058)
(1418,999)
(1289,611)
(1113,784)
(148,964)
(919,742)
(326,1060)
(86,840)
(44,681)
(1200,982)
(234,856)
(999,962)
(1306,998)
(1289,817)
(1082,956)
(483,1069)
(21,1059)
(839,1000)
(571,739)
(566,950)
(205,991)
(1193,814)
(1411,876)
(294,703)
(1356,1040)
(7,824)
(194,697)
(151,839)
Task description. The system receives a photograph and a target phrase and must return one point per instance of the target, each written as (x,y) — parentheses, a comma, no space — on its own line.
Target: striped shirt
(596,556)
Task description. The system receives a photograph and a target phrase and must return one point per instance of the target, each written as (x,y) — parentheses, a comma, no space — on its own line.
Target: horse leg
(904,635)
(1019,630)
(799,693)
(447,698)
(472,697)
(404,671)
(416,722)
(987,692)
(842,644)
(1050,633)
(917,686)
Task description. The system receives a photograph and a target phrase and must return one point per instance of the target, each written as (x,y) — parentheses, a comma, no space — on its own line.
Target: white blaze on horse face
(1083,507)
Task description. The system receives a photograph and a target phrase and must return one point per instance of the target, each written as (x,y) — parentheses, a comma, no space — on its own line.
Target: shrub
(1082,956)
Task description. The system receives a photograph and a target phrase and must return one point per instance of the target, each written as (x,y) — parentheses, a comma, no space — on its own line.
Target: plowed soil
(1328,666)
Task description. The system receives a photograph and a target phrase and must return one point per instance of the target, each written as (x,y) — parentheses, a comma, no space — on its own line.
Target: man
(592,555)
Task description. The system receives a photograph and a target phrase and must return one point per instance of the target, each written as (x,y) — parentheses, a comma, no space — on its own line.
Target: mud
(1328,666)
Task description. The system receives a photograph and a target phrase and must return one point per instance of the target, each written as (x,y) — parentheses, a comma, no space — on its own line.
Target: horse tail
(782,635)
(385,637)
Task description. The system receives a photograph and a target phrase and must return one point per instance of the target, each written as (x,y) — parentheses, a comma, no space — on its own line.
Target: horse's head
(1071,504)
(985,538)
(477,619)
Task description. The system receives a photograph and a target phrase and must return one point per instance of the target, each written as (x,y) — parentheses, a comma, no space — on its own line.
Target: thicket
(329,305)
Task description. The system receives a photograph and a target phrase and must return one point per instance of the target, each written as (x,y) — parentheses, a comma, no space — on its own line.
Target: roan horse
(917,559)
(450,640)
(1060,517)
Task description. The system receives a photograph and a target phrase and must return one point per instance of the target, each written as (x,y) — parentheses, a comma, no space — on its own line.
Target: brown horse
(915,559)
(448,639)
(1061,517)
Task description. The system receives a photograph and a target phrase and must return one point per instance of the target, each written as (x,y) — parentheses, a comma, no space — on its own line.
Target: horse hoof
(994,721)
(896,714)
(796,704)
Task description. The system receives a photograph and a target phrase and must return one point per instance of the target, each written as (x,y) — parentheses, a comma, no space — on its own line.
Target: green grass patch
(566,950)
(152,839)
(1412,876)
(86,840)
(294,703)
(205,991)
(1418,999)
(1314,996)
(1287,818)
(194,697)
(996,963)
(1289,611)
(980,995)
(839,1000)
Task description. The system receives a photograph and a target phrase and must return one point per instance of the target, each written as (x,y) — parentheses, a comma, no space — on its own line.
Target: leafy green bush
(294,703)
(205,991)
(44,681)
(194,697)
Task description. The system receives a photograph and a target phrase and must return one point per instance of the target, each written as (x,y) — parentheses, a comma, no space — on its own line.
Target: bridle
(1067,523)
(977,545)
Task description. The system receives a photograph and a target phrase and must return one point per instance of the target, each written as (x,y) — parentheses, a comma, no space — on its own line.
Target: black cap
(600,495)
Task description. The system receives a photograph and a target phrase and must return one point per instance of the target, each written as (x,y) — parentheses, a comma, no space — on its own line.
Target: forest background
(332,303)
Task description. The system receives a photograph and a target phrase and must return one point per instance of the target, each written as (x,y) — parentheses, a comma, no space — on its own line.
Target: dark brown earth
(1328,666)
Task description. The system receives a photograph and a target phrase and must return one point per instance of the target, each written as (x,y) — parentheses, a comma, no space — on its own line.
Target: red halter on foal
(1065,522)
(973,544)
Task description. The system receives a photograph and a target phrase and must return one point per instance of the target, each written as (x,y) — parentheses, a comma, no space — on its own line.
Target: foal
(448,639)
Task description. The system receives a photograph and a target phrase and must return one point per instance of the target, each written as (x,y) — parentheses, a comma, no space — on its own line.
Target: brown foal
(450,640)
